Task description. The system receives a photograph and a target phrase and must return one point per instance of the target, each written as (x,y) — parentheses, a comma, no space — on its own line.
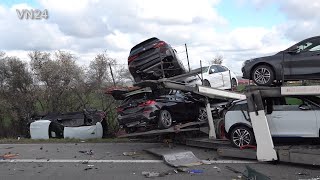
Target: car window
(221,68)
(315,48)
(311,45)
(214,69)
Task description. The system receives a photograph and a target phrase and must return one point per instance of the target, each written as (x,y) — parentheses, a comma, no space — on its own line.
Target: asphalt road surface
(64,161)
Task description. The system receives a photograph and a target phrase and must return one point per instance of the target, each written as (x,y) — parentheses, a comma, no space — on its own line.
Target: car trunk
(132,103)
(145,47)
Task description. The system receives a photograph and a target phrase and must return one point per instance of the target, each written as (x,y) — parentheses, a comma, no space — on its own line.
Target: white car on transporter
(288,117)
(216,76)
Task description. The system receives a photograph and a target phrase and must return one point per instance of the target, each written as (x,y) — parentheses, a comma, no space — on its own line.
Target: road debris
(133,153)
(182,169)
(302,174)
(90,165)
(218,169)
(41,148)
(89,168)
(90,152)
(9,156)
(85,162)
(195,171)
(176,157)
(150,174)
(253,174)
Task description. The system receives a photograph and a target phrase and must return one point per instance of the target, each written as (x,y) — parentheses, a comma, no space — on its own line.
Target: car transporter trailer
(265,149)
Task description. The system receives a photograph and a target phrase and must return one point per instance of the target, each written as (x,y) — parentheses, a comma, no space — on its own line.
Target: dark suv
(299,62)
(145,59)
(161,108)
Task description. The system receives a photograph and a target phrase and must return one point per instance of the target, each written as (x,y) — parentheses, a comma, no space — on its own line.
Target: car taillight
(131,58)
(147,103)
(119,109)
(159,44)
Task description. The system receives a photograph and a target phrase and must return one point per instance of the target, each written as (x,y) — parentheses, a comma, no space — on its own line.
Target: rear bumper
(137,119)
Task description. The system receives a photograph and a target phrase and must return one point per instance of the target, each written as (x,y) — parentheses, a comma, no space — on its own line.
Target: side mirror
(304,107)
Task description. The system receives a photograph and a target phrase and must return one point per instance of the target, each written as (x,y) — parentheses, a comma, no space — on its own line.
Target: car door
(225,76)
(180,108)
(215,77)
(294,118)
(306,60)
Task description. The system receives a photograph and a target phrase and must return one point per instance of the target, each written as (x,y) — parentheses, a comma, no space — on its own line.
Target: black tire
(206,83)
(263,75)
(244,132)
(165,119)
(202,114)
(220,130)
(233,83)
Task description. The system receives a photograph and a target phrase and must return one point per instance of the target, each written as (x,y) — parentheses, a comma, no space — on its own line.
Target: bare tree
(218,59)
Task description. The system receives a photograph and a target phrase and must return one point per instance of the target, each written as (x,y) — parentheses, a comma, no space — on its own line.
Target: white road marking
(117,161)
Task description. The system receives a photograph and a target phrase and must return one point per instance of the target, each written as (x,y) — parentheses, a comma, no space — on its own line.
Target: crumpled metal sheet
(176,157)
(40,129)
(84,132)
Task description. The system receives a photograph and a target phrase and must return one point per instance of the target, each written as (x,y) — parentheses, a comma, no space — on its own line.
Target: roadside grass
(54,140)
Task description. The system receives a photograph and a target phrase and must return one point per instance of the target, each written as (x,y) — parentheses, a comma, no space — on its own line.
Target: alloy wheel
(166,118)
(241,137)
(262,75)
(203,116)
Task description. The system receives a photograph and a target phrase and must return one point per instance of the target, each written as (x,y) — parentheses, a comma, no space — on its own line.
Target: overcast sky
(236,29)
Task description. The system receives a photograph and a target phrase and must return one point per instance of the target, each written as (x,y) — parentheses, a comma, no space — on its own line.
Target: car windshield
(204,69)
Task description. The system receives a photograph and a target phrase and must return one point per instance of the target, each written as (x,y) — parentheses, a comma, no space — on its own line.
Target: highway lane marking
(117,161)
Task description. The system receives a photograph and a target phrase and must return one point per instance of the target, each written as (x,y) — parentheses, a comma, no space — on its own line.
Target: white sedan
(289,117)
(216,76)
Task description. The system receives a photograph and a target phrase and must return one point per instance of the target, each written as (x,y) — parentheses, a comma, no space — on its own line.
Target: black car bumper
(245,72)
(137,119)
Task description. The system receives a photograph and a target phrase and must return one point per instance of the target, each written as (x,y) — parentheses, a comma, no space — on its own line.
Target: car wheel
(202,116)
(206,83)
(241,136)
(165,119)
(263,75)
(220,130)
(233,83)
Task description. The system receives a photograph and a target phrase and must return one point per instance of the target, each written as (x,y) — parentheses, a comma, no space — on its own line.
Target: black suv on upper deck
(145,59)
(300,61)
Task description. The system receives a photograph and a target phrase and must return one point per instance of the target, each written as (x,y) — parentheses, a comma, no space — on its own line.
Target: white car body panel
(288,123)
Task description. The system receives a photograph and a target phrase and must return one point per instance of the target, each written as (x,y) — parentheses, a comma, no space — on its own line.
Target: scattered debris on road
(253,174)
(218,169)
(90,152)
(195,171)
(182,169)
(176,157)
(90,165)
(86,169)
(133,153)
(150,174)
(9,156)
